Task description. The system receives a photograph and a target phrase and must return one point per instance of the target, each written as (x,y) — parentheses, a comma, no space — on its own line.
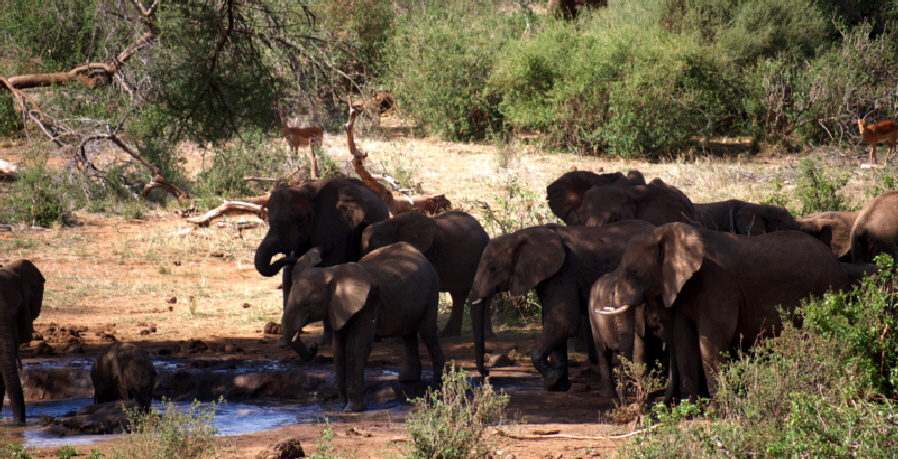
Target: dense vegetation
(656,78)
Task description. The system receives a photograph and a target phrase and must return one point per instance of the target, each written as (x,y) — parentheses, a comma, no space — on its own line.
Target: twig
(571,437)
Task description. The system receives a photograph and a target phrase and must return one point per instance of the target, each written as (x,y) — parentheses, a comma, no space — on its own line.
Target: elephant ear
(339,207)
(833,232)
(32,288)
(539,254)
(682,252)
(565,195)
(416,228)
(351,289)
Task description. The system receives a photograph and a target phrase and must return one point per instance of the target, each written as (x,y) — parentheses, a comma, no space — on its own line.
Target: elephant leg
(561,320)
(453,326)
(9,377)
(431,337)
(358,349)
(411,362)
(478,313)
(286,283)
(606,384)
(340,362)
(553,366)
(688,357)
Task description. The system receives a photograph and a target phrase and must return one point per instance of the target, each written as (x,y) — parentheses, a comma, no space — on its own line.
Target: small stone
(247,305)
(144,332)
(172,300)
(500,360)
(289,448)
(272,328)
(232,349)
(43,349)
(109,337)
(177,263)
(37,337)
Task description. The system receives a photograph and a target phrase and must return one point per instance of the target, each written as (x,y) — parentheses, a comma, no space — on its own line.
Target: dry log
(231,207)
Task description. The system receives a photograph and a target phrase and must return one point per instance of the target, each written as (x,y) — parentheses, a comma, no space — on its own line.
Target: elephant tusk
(610,311)
(295,337)
(477,301)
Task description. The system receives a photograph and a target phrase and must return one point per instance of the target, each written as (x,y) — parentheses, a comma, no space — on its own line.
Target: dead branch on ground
(232,207)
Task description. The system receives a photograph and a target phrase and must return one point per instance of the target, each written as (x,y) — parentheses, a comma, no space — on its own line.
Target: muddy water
(311,398)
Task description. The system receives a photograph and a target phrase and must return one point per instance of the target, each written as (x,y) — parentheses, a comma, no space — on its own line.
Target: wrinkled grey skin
(625,334)
(740,217)
(452,241)
(833,229)
(392,291)
(328,213)
(709,292)
(124,371)
(561,263)
(585,203)
(875,231)
(21,297)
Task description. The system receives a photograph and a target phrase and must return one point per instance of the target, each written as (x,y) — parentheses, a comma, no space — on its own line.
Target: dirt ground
(159,282)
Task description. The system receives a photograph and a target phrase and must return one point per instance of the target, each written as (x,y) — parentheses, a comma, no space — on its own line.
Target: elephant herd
(639,269)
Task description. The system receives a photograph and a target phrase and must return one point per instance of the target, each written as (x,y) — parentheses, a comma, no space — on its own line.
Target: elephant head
(21,297)
(336,294)
(655,202)
(754,219)
(413,227)
(322,213)
(624,332)
(833,228)
(565,194)
(656,264)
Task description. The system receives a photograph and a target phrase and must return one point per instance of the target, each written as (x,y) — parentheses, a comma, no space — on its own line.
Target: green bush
(817,191)
(451,423)
(251,155)
(38,197)
(171,432)
(67,452)
(14,452)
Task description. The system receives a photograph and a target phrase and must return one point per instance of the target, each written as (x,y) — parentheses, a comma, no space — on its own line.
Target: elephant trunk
(262,259)
(9,351)
(626,334)
(479,316)
(306,354)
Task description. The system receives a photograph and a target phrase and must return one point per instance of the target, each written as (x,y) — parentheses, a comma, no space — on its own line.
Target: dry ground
(107,273)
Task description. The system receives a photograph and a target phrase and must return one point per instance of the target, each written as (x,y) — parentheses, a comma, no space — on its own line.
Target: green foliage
(10,121)
(96,454)
(14,452)
(513,310)
(451,423)
(440,57)
(171,432)
(817,191)
(67,452)
(49,35)
(324,444)
(38,198)
(640,381)
(251,155)
(825,390)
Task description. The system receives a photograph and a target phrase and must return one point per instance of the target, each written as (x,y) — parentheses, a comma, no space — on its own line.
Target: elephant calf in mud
(392,291)
(123,371)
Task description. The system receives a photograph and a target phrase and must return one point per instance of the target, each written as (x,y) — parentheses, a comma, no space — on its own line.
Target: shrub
(67,452)
(817,191)
(171,432)
(451,423)
(38,197)
(14,452)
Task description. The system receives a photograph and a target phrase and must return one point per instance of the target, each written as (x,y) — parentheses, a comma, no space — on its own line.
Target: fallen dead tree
(232,207)
(422,202)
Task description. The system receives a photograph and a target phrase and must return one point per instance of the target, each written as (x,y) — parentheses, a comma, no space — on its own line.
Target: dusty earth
(160,282)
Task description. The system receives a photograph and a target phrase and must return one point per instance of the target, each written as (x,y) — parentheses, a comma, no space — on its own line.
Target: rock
(232,348)
(37,337)
(109,337)
(500,360)
(272,328)
(172,300)
(74,348)
(105,418)
(43,349)
(247,305)
(144,332)
(285,449)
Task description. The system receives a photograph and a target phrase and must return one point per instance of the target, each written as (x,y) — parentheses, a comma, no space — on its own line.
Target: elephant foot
(450,331)
(556,381)
(355,406)
(409,376)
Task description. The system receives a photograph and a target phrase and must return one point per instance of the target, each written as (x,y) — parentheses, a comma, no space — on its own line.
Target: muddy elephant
(709,292)
(833,228)
(452,242)
(624,334)
(655,202)
(741,217)
(123,371)
(561,263)
(21,297)
(875,230)
(328,213)
(565,194)
(392,291)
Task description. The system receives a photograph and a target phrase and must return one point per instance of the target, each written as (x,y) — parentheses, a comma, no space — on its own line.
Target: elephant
(740,217)
(21,298)
(708,292)
(565,194)
(392,291)
(329,213)
(654,202)
(833,228)
(875,230)
(623,333)
(452,242)
(123,371)
(561,263)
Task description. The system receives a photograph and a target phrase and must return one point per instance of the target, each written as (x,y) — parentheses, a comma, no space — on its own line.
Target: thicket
(655,78)
(827,389)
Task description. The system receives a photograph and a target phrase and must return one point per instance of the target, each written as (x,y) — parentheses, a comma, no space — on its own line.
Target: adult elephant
(655,202)
(392,291)
(710,291)
(21,297)
(741,217)
(876,229)
(565,194)
(123,371)
(328,213)
(833,228)
(452,242)
(561,263)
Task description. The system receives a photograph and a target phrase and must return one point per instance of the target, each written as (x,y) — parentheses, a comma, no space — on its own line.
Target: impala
(883,132)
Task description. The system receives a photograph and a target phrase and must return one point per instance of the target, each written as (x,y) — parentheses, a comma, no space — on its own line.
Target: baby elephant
(392,291)
(123,371)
